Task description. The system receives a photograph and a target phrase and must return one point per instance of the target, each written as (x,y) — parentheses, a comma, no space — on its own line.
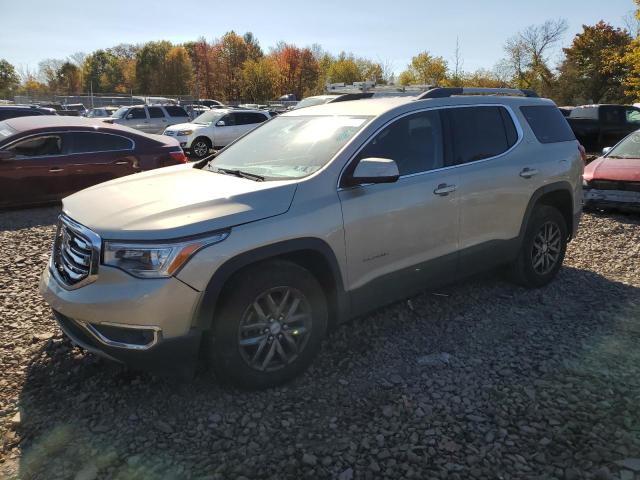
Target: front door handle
(56,169)
(122,163)
(443,189)
(528,172)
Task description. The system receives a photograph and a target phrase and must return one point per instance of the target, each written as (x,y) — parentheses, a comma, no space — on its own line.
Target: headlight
(184,132)
(155,260)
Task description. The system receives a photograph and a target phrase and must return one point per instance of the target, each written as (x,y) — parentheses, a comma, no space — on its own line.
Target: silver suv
(317,216)
(149,118)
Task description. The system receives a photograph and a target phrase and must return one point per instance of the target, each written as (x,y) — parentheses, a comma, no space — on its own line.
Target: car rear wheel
(269,327)
(200,147)
(543,248)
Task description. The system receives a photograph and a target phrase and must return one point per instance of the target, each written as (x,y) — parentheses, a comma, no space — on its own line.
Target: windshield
(121,112)
(311,101)
(289,147)
(209,117)
(627,148)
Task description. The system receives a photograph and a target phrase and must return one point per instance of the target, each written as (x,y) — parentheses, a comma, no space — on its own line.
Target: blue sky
(381,30)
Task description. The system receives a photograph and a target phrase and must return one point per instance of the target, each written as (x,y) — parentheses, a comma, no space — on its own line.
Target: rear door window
(176,111)
(230,119)
(479,132)
(89,142)
(548,124)
(137,113)
(156,112)
(414,142)
(38,146)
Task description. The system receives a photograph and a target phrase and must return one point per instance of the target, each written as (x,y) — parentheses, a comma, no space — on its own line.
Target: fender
(545,189)
(205,310)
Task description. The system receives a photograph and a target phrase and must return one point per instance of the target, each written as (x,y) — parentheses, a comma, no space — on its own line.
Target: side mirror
(606,150)
(129,116)
(7,155)
(220,123)
(375,170)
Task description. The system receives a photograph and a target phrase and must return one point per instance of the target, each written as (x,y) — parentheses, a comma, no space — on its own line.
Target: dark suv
(13,111)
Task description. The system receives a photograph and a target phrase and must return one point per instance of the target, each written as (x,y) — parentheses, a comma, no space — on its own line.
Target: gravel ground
(480,380)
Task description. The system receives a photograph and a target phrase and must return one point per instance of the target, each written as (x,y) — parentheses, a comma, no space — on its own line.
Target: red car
(46,158)
(613,180)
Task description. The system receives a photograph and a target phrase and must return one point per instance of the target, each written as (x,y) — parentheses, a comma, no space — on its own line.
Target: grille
(73,254)
(616,185)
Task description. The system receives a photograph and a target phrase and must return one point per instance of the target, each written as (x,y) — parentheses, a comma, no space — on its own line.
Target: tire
(243,337)
(200,147)
(543,248)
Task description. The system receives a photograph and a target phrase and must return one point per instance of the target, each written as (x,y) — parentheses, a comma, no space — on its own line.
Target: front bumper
(613,199)
(174,356)
(183,140)
(144,323)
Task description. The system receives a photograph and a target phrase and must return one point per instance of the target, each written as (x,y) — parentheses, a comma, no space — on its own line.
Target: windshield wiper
(239,173)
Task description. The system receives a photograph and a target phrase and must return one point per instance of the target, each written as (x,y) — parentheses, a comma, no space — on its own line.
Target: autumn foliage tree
(594,68)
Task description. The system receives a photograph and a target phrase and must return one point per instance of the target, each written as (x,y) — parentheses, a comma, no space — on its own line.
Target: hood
(174,202)
(620,169)
(185,126)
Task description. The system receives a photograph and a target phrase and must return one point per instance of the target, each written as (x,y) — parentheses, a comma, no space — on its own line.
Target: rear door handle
(528,172)
(56,169)
(122,163)
(443,189)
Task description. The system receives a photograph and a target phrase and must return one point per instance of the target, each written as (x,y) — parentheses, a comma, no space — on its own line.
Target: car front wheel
(269,327)
(200,147)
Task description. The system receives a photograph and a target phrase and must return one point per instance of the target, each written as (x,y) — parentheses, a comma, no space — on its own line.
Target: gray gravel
(480,380)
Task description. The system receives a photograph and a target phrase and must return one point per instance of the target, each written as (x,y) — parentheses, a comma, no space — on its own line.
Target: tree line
(601,64)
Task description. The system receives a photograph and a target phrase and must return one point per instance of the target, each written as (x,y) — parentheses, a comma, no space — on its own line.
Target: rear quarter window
(176,111)
(547,123)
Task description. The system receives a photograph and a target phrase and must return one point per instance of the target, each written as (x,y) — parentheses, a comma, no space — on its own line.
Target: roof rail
(442,92)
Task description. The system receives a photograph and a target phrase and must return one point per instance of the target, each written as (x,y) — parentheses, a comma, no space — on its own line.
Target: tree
(527,55)
(9,80)
(100,72)
(48,72)
(231,52)
(260,79)
(456,79)
(594,68)
(425,69)
(254,51)
(150,66)
(631,60)
(178,72)
(298,68)
(68,79)
(344,69)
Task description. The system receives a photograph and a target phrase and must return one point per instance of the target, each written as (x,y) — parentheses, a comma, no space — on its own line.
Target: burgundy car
(613,180)
(46,158)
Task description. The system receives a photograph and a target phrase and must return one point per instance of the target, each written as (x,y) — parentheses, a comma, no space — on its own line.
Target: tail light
(583,152)
(178,156)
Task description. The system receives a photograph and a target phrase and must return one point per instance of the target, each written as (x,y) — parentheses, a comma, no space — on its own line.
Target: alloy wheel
(201,149)
(547,246)
(275,328)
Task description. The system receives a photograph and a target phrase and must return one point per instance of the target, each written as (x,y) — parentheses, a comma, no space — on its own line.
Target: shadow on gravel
(18,219)
(537,381)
